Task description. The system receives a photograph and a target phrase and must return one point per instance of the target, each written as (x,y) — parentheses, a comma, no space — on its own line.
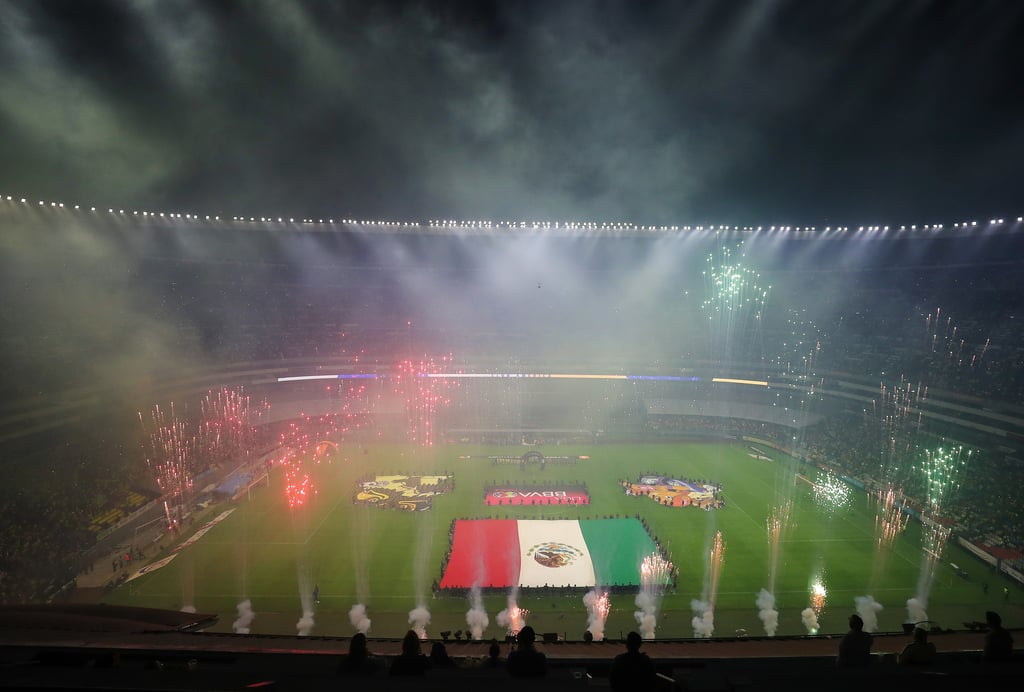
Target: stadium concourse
(103,647)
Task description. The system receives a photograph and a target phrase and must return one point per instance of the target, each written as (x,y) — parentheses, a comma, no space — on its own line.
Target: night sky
(713,111)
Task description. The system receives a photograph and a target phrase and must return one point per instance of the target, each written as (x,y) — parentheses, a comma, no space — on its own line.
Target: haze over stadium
(685,318)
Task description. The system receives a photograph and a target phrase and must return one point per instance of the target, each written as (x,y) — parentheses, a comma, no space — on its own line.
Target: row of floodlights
(527,225)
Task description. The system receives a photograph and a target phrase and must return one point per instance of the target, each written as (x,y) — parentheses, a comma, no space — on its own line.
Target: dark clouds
(677,112)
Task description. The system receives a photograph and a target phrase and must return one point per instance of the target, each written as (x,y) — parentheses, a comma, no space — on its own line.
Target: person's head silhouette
(526,636)
(633,642)
(410,644)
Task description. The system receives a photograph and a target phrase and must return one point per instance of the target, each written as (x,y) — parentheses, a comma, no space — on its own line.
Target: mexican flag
(536,552)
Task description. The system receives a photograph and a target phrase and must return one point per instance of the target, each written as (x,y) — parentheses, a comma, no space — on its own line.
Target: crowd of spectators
(986,506)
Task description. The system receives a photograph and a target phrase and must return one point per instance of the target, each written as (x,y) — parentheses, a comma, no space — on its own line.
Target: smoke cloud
(766,611)
(305,624)
(476,616)
(357,616)
(647,616)
(419,618)
(245,617)
(188,609)
(810,620)
(917,609)
(704,621)
(868,608)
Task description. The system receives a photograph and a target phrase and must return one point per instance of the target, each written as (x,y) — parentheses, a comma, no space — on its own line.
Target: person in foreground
(998,642)
(632,670)
(411,661)
(359,661)
(918,652)
(855,646)
(526,661)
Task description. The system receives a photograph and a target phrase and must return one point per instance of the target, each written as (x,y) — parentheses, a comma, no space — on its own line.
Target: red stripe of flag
(485,552)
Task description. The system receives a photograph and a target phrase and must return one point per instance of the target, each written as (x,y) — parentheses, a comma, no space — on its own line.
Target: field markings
(871,537)
(323,521)
(826,540)
(744,512)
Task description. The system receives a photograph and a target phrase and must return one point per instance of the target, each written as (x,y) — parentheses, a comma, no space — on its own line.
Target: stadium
(781,469)
(485,328)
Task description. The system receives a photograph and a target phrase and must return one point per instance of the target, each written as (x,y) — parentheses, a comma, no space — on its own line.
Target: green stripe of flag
(617,546)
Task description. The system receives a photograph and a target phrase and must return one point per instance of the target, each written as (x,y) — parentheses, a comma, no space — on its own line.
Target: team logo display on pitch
(553,554)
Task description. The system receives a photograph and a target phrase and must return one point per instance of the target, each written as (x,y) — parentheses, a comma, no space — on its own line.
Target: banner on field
(536,495)
(502,553)
(152,567)
(977,552)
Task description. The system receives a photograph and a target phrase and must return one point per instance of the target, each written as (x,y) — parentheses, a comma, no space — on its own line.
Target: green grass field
(387,559)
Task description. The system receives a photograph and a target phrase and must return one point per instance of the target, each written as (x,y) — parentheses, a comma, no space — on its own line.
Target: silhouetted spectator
(526,661)
(359,660)
(493,659)
(918,652)
(998,642)
(439,657)
(855,646)
(632,670)
(411,661)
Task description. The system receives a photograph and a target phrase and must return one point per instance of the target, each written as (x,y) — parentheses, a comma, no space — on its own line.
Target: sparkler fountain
(513,618)
(598,606)
(778,523)
(939,468)
(655,575)
(704,620)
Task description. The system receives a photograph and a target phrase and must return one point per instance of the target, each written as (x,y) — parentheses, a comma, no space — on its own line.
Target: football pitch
(389,559)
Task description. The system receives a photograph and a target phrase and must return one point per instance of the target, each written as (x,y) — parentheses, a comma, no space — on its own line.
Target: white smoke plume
(810,620)
(766,611)
(245,617)
(305,623)
(419,618)
(917,609)
(867,608)
(597,612)
(647,616)
(188,609)
(704,620)
(357,616)
(476,616)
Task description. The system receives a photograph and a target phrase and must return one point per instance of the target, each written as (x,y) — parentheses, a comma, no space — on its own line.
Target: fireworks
(230,425)
(801,345)
(513,618)
(897,421)
(716,559)
(655,572)
(735,301)
(890,519)
(655,575)
(423,396)
(778,522)
(940,470)
(171,456)
(598,606)
(947,345)
(831,493)
(818,594)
